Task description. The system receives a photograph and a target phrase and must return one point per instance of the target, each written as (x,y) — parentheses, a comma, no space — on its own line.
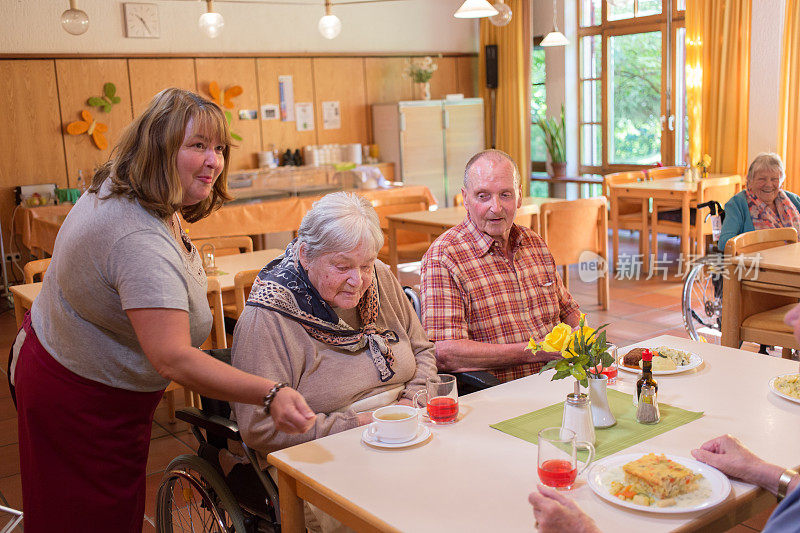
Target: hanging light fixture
(329,26)
(555,37)
(503,16)
(474,9)
(73,20)
(210,22)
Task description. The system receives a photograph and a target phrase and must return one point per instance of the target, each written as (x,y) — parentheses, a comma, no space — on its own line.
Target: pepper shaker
(647,411)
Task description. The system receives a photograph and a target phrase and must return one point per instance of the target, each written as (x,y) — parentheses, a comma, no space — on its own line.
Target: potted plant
(555,138)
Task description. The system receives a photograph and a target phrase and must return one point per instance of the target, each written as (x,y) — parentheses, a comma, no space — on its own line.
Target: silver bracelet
(271,395)
(783,483)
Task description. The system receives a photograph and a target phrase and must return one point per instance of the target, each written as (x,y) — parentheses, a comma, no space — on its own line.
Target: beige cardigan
(271,345)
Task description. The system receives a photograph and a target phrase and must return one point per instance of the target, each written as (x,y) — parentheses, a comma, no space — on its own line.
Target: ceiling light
(473,9)
(329,26)
(210,22)
(555,37)
(503,16)
(73,20)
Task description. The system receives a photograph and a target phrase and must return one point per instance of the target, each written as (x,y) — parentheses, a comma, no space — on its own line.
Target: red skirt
(83,446)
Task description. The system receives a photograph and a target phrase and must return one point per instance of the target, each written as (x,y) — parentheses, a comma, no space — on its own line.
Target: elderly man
(488,285)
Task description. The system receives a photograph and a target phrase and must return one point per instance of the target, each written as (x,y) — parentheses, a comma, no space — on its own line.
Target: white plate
(694,361)
(779,393)
(422,434)
(720,485)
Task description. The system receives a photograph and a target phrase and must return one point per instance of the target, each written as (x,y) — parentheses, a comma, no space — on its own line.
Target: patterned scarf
(765,218)
(283,286)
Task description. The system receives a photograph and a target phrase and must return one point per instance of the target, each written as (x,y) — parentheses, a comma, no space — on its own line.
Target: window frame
(538,166)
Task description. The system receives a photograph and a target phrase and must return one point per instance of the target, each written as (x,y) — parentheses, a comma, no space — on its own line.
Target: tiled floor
(639,309)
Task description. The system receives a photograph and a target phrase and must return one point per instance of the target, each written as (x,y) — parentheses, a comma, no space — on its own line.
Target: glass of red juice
(558,457)
(441,399)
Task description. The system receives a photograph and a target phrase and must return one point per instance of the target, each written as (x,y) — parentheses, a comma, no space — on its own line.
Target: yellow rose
(585,330)
(558,339)
(706,160)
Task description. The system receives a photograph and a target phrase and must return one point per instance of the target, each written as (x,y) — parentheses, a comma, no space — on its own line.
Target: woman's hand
(557,513)
(290,412)
(734,459)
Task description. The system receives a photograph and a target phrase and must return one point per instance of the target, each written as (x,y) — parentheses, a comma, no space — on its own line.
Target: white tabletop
(230,265)
(470,477)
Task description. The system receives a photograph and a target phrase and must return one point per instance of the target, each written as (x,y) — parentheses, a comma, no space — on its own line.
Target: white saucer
(422,434)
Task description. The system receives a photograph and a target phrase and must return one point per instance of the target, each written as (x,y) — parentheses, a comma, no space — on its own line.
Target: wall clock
(141,20)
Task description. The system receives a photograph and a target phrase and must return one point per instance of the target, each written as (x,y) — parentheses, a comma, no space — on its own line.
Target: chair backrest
(458,199)
(217,338)
(390,205)
(242,283)
(660,173)
(754,241)
(574,226)
(234,244)
(721,190)
(626,207)
(33,268)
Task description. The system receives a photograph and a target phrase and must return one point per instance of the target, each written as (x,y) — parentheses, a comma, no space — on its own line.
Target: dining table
(434,223)
(676,192)
(227,268)
(468,476)
(750,282)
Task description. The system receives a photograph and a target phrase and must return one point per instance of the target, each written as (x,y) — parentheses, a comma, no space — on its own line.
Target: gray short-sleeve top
(111,255)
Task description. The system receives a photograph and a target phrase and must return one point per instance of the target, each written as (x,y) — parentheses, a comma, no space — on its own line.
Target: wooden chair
(35,268)
(234,244)
(722,190)
(761,313)
(660,173)
(633,214)
(571,228)
(458,199)
(216,339)
(411,245)
(242,283)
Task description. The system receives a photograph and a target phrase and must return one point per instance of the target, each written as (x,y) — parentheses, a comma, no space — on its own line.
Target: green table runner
(625,433)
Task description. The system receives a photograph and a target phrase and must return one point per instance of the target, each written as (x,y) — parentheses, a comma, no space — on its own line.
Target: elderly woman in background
(121,311)
(763,204)
(341,329)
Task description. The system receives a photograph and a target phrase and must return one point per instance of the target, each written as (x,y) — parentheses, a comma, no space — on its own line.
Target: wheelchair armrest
(217,425)
(475,381)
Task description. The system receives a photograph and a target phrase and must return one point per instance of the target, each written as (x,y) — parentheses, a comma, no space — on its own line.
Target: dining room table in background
(471,477)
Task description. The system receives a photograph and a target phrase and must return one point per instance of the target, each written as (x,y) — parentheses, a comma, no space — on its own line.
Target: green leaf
(578,372)
(584,383)
(561,375)
(109,89)
(235,137)
(548,366)
(228,117)
(116,99)
(95,101)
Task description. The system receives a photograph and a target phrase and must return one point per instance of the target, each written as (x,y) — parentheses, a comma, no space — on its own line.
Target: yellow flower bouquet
(582,350)
(704,164)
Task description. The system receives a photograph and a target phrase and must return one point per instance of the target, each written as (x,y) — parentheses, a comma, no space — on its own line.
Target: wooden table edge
(329,501)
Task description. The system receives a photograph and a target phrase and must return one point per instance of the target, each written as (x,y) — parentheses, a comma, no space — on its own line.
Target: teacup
(394,423)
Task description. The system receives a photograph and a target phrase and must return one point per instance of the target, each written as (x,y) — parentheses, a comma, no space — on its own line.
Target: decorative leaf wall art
(107,101)
(225,100)
(90,127)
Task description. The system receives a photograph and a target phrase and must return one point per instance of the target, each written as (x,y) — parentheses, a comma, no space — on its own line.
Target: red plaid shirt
(471,291)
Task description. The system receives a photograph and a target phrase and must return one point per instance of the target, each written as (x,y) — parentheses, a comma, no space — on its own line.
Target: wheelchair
(195,496)
(701,297)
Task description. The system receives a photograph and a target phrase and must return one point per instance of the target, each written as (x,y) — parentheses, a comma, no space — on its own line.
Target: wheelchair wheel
(702,302)
(194,497)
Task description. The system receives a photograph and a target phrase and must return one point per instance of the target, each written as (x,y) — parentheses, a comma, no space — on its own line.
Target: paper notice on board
(305,116)
(286,90)
(270,112)
(331,118)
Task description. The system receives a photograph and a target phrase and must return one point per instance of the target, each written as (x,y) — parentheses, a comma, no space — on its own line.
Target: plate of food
(658,483)
(666,360)
(786,386)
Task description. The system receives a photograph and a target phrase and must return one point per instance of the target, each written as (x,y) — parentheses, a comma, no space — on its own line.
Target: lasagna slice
(656,475)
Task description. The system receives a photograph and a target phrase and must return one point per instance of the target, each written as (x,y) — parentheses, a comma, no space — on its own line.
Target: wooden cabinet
(430,142)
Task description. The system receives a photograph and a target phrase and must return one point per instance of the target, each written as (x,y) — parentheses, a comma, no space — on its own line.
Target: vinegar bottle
(647,376)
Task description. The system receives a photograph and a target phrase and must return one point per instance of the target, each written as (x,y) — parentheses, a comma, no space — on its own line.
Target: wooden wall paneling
(148,77)
(236,71)
(278,134)
(467,71)
(79,79)
(444,80)
(342,80)
(33,148)
(386,82)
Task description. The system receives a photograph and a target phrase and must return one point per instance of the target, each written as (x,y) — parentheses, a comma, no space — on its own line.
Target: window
(538,107)
(631,57)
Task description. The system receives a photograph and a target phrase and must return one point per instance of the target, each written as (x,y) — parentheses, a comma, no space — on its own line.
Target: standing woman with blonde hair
(121,310)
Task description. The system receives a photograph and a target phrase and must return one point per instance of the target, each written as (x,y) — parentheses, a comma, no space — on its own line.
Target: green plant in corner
(555,137)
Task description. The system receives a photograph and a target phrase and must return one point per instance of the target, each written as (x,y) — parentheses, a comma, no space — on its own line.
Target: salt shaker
(578,417)
(647,411)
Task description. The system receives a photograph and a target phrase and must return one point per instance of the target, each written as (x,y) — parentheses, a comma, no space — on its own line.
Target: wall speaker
(491,66)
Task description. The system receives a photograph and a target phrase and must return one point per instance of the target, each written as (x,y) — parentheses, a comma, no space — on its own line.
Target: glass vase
(598,396)
(422,90)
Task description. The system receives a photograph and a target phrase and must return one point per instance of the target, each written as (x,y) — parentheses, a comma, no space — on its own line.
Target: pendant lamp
(210,22)
(474,9)
(555,37)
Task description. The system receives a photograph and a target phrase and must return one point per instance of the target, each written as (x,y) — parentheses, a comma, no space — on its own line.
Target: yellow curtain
(789,110)
(513,84)
(718,81)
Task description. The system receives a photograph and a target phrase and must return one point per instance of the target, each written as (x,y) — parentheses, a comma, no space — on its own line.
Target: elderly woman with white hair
(763,204)
(330,320)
